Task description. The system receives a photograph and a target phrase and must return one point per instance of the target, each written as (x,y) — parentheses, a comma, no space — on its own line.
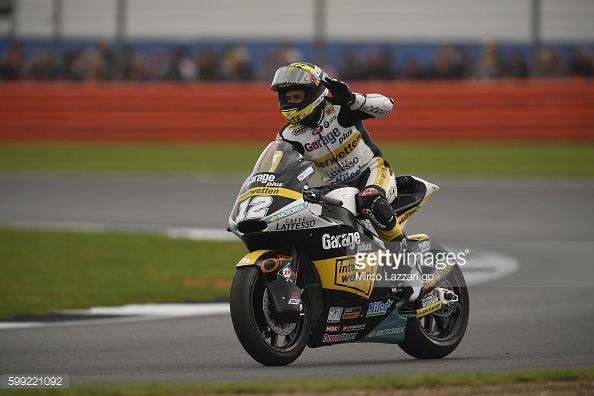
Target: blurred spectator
(160,65)
(136,67)
(582,63)
(379,65)
(207,65)
(350,67)
(488,65)
(412,70)
(236,64)
(41,66)
(97,65)
(184,66)
(458,59)
(449,63)
(284,54)
(552,63)
(12,65)
(516,66)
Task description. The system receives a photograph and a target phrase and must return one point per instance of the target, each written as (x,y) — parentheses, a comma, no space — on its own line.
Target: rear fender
(283,291)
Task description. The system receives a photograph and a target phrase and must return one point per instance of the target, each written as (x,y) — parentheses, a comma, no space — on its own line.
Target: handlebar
(330,201)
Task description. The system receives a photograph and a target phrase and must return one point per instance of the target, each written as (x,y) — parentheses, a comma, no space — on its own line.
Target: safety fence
(463,111)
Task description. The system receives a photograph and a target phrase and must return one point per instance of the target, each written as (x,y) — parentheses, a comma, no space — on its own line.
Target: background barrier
(465,111)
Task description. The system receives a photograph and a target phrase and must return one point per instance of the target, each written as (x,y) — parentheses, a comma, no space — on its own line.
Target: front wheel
(266,340)
(437,335)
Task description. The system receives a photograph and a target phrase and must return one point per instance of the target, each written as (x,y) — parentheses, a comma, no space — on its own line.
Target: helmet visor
(288,76)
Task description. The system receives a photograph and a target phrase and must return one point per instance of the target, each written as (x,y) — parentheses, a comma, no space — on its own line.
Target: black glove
(341,93)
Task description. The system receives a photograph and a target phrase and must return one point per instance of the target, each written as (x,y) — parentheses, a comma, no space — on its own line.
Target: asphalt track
(538,314)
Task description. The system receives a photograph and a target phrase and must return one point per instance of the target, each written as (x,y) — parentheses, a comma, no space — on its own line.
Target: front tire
(437,335)
(267,341)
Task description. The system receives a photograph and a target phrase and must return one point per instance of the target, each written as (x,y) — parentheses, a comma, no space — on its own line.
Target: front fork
(280,273)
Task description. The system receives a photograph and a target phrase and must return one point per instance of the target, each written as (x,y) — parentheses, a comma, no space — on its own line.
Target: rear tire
(437,335)
(263,338)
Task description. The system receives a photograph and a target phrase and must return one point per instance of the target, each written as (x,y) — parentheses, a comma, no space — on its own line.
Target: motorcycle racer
(329,131)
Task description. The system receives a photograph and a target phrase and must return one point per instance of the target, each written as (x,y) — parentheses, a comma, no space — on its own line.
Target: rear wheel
(266,340)
(437,335)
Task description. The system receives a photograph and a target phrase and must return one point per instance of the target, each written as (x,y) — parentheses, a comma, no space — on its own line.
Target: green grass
(369,383)
(43,270)
(516,160)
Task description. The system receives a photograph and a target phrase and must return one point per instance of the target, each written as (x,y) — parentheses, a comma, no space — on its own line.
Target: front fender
(267,260)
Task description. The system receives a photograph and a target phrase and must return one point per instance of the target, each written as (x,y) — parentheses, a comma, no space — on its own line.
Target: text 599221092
(34,381)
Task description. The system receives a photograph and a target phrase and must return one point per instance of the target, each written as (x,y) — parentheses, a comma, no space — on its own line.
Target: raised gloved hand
(341,93)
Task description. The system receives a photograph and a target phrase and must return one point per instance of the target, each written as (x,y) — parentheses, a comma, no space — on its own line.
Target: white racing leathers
(339,145)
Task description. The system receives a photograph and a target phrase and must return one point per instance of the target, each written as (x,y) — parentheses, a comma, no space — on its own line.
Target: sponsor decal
(404,217)
(351,313)
(288,212)
(364,247)
(271,264)
(330,110)
(348,277)
(330,121)
(428,309)
(291,226)
(424,246)
(334,314)
(270,191)
(262,178)
(350,164)
(323,141)
(340,273)
(332,328)
(305,173)
(357,327)
(383,176)
(369,191)
(378,308)
(346,135)
(349,175)
(349,240)
(286,272)
(385,332)
(375,110)
(298,131)
(429,300)
(340,153)
(339,337)
(294,301)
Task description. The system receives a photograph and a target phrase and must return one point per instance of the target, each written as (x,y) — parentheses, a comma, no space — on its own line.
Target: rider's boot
(375,207)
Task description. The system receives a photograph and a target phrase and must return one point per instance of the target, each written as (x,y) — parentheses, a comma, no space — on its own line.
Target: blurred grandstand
(70,40)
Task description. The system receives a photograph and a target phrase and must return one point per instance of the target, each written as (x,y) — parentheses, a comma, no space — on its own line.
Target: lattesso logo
(381,258)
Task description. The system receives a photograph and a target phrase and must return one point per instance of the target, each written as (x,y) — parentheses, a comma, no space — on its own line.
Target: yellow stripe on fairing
(267,191)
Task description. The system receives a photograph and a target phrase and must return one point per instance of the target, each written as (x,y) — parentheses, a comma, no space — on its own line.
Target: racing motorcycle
(317,274)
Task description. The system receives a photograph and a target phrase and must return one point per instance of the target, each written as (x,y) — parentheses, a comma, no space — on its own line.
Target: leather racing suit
(343,152)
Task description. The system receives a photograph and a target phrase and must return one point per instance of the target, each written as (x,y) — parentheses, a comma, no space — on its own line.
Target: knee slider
(377,208)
